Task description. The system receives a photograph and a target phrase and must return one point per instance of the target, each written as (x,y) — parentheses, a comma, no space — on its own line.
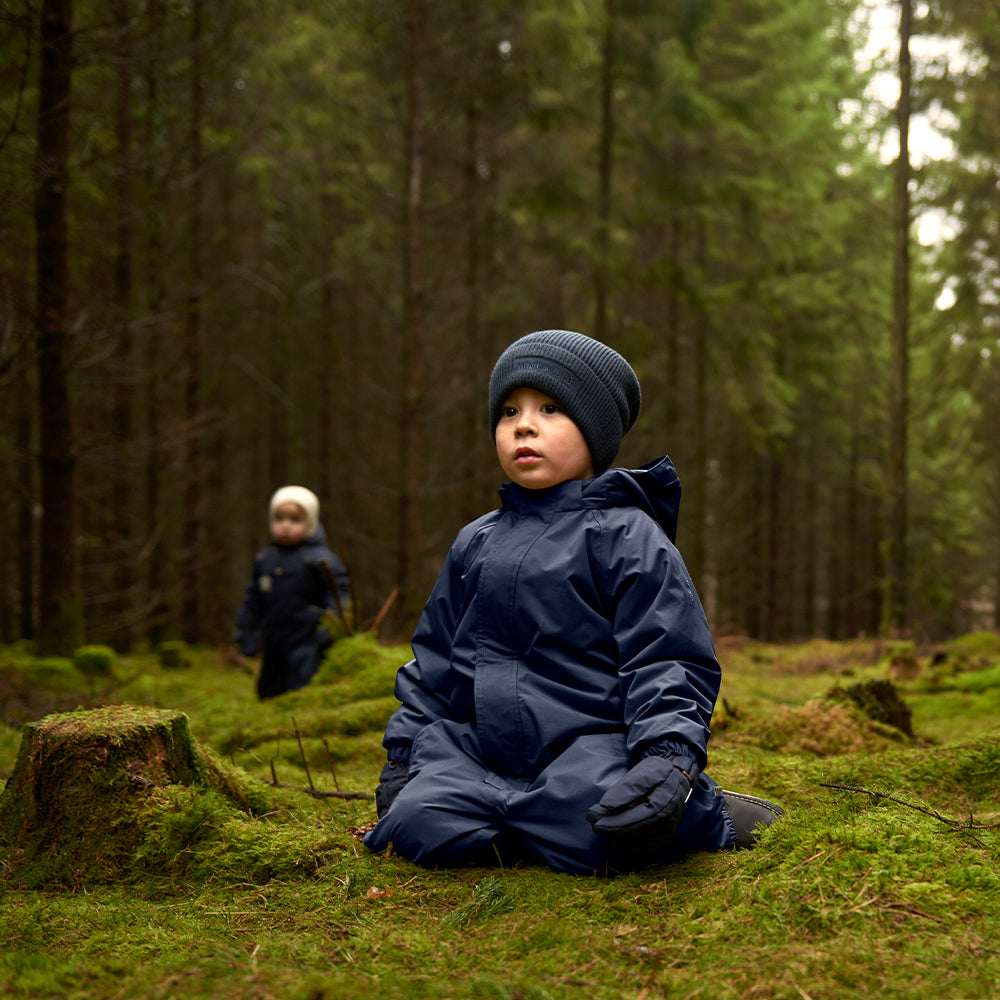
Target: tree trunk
(154,549)
(472,335)
(411,405)
(192,344)
(700,510)
(852,579)
(806,511)
(61,617)
(897,583)
(122,420)
(604,174)
(671,333)
(771,551)
(25,513)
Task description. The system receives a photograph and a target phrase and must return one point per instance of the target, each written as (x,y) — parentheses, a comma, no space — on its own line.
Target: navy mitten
(395,774)
(249,644)
(648,801)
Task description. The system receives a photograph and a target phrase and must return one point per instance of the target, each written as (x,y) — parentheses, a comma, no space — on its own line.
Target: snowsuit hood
(654,489)
(318,537)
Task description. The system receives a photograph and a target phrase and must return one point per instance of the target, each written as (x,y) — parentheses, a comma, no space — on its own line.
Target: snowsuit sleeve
(250,612)
(432,685)
(341,581)
(668,672)
(332,579)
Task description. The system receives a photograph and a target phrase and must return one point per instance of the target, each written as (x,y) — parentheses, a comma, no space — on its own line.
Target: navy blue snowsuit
(286,595)
(562,643)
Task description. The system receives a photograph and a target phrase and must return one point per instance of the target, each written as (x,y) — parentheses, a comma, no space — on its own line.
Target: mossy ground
(870,893)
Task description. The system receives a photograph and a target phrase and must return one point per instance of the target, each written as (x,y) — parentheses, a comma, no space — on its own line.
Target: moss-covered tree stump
(880,700)
(88,785)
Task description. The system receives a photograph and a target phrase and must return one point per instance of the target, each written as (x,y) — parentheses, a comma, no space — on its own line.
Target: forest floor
(250,880)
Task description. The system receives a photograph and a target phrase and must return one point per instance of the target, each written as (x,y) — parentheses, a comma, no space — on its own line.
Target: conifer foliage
(278,242)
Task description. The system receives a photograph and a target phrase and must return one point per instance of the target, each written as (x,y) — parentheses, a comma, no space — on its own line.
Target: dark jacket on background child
(287,593)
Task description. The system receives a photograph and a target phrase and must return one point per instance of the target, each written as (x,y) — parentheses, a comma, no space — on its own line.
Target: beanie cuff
(590,381)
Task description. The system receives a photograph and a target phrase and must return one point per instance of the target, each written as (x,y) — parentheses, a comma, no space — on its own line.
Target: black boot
(749,814)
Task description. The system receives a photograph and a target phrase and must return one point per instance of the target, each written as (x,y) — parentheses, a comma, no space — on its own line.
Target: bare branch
(954,823)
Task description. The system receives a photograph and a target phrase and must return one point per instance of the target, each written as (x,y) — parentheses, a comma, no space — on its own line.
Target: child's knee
(432,836)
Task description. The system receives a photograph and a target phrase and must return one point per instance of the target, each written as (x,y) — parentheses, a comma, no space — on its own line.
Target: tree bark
(472,334)
(604,173)
(410,415)
(122,493)
(192,343)
(60,610)
(25,511)
(700,510)
(898,597)
(156,298)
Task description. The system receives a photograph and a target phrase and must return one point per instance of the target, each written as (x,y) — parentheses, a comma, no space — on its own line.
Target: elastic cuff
(671,748)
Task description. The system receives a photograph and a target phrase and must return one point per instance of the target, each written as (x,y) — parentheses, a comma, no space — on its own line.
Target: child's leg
(303,661)
(449,812)
(271,679)
(550,816)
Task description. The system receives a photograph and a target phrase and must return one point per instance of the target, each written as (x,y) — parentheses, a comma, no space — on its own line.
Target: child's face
(288,524)
(538,444)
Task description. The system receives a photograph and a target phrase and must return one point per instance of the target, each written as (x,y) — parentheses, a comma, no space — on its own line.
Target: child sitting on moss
(563,679)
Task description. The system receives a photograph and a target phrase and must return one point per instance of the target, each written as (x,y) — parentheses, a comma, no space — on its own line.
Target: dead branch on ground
(953,823)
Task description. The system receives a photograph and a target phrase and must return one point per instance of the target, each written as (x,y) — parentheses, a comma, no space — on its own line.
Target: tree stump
(881,701)
(81,779)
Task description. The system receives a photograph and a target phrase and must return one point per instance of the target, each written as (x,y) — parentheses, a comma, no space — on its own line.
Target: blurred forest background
(245,243)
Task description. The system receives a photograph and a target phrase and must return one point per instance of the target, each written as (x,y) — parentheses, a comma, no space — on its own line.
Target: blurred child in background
(294,581)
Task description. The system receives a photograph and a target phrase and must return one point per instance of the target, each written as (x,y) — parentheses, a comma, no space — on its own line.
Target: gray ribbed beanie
(594,384)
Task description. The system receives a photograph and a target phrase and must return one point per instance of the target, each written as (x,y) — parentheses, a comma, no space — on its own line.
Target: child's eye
(509,411)
(550,408)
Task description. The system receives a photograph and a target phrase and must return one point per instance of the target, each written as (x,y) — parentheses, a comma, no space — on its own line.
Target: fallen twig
(316,792)
(384,610)
(320,793)
(333,772)
(956,824)
(331,582)
(302,753)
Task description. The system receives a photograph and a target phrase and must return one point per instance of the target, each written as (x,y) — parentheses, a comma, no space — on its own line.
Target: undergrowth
(881,881)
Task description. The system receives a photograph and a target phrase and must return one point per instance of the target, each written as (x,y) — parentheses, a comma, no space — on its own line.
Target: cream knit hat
(306,499)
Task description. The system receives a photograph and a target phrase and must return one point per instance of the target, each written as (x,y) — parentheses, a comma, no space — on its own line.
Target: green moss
(880,701)
(361,655)
(233,783)
(984,645)
(232,888)
(174,655)
(58,673)
(89,788)
(95,661)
